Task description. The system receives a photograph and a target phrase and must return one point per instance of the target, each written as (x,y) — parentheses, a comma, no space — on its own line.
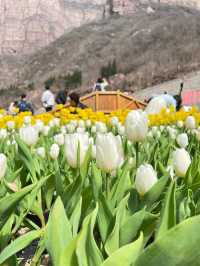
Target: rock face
(26,25)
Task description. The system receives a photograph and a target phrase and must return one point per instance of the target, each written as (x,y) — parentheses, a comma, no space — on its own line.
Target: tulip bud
(136,126)
(109,152)
(3,165)
(81,123)
(54,151)
(180,124)
(182,140)
(190,122)
(29,135)
(27,120)
(146,177)
(41,152)
(11,124)
(39,125)
(88,123)
(181,162)
(59,139)
(73,143)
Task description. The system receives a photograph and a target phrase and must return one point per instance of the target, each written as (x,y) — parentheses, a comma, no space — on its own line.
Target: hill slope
(148,49)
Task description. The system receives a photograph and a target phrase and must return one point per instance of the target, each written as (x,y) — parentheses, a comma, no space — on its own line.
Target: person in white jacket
(48,99)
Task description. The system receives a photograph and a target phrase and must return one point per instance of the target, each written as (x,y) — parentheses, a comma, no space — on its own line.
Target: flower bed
(95,189)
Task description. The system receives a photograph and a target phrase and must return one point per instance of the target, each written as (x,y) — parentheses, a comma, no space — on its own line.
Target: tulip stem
(137,154)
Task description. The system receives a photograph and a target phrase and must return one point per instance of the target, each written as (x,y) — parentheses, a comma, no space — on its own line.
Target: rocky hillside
(149,48)
(27,25)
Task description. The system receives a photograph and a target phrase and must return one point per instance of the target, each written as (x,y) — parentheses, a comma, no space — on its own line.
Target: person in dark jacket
(24,105)
(61,97)
(75,101)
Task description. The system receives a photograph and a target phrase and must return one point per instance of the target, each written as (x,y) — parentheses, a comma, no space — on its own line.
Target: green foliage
(109,70)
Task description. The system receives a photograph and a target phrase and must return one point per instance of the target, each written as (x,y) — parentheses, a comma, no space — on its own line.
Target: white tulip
(93,129)
(136,126)
(27,120)
(101,127)
(155,105)
(63,130)
(181,162)
(11,124)
(180,124)
(109,152)
(88,123)
(80,130)
(114,121)
(41,152)
(182,140)
(121,130)
(3,133)
(190,122)
(81,123)
(29,135)
(46,130)
(3,165)
(91,141)
(59,139)
(56,122)
(54,151)
(74,123)
(70,128)
(146,177)
(39,125)
(72,143)
(172,132)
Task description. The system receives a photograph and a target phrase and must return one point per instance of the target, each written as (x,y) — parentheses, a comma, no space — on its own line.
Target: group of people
(48,100)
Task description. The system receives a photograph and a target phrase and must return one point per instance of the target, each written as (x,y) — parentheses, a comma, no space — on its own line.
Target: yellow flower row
(165,117)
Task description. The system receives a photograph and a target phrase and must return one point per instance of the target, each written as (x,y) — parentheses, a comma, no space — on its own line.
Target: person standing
(48,99)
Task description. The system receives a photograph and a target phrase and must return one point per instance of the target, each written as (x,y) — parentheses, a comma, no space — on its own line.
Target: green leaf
(8,204)
(126,255)
(96,181)
(168,213)
(120,187)
(84,167)
(178,246)
(130,228)
(68,255)
(75,218)
(58,233)
(104,218)
(87,251)
(5,232)
(113,240)
(19,244)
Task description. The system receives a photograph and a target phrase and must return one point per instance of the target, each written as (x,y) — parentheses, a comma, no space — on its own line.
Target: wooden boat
(109,101)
